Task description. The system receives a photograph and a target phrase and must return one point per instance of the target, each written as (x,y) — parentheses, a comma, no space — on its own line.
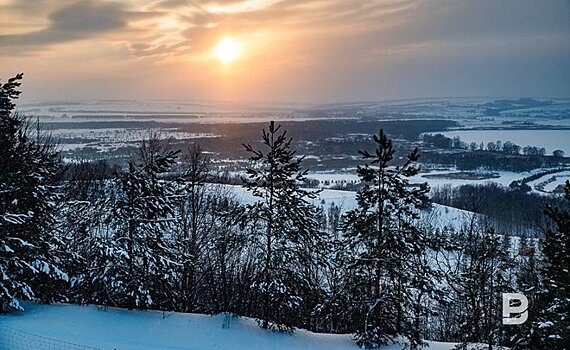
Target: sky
(309,51)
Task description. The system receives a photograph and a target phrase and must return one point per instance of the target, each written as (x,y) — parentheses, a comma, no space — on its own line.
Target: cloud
(77,20)
(88,17)
(169,4)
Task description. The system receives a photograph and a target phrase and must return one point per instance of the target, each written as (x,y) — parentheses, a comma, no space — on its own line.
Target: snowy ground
(504,178)
(543,185)
(152,330)
(438,216)
(549,182)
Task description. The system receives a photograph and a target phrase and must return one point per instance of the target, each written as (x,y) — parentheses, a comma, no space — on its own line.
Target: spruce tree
(135,265)
(30,265)
(83,218)
(283,225)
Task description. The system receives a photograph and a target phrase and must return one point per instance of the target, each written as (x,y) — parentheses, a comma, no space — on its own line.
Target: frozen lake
(549,139)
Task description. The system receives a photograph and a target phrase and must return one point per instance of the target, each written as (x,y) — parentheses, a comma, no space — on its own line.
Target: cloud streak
(77,21)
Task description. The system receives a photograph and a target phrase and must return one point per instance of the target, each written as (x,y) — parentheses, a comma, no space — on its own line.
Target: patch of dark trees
(492,156)
(471,160)
(510,211)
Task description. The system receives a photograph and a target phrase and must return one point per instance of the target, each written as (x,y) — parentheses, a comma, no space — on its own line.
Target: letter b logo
(520,310)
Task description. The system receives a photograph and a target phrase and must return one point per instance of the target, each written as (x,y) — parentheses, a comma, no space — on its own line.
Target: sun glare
(227,50)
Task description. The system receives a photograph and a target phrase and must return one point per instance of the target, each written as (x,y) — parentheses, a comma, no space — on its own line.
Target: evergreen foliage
(383,239)
(30,264)
(135,263)
(284,229)
(549,313)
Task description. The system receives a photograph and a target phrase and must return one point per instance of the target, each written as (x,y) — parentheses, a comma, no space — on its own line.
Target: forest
(159,234)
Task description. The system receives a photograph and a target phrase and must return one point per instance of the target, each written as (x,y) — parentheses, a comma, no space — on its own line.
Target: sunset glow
(227,50)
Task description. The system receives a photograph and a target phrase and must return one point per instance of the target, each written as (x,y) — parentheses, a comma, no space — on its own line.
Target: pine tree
(382,237)
(30,266)
(284,226)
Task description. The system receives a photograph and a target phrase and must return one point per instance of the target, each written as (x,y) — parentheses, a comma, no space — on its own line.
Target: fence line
(15,339)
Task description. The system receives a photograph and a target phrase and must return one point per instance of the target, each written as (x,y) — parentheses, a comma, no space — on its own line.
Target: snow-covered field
(504,178)
(46,326)
(108,138)
(471,112)
(439,178)
(162,110)
(124,134)
(441,216)
(144,108)
(543,185)
(550,182)
(345,200)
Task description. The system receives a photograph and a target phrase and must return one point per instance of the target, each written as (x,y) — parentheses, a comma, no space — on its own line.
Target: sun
(227,50)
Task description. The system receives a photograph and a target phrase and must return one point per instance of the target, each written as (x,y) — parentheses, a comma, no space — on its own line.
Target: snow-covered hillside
(118,329)
(437,216)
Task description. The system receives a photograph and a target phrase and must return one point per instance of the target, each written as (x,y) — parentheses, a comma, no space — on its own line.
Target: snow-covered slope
(144,330)
(437,216)
(441,217)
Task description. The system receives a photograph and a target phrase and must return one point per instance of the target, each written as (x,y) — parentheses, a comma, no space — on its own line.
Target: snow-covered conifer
(549,315)
(29,259)
(285,227)
(382,238)
(135,265)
